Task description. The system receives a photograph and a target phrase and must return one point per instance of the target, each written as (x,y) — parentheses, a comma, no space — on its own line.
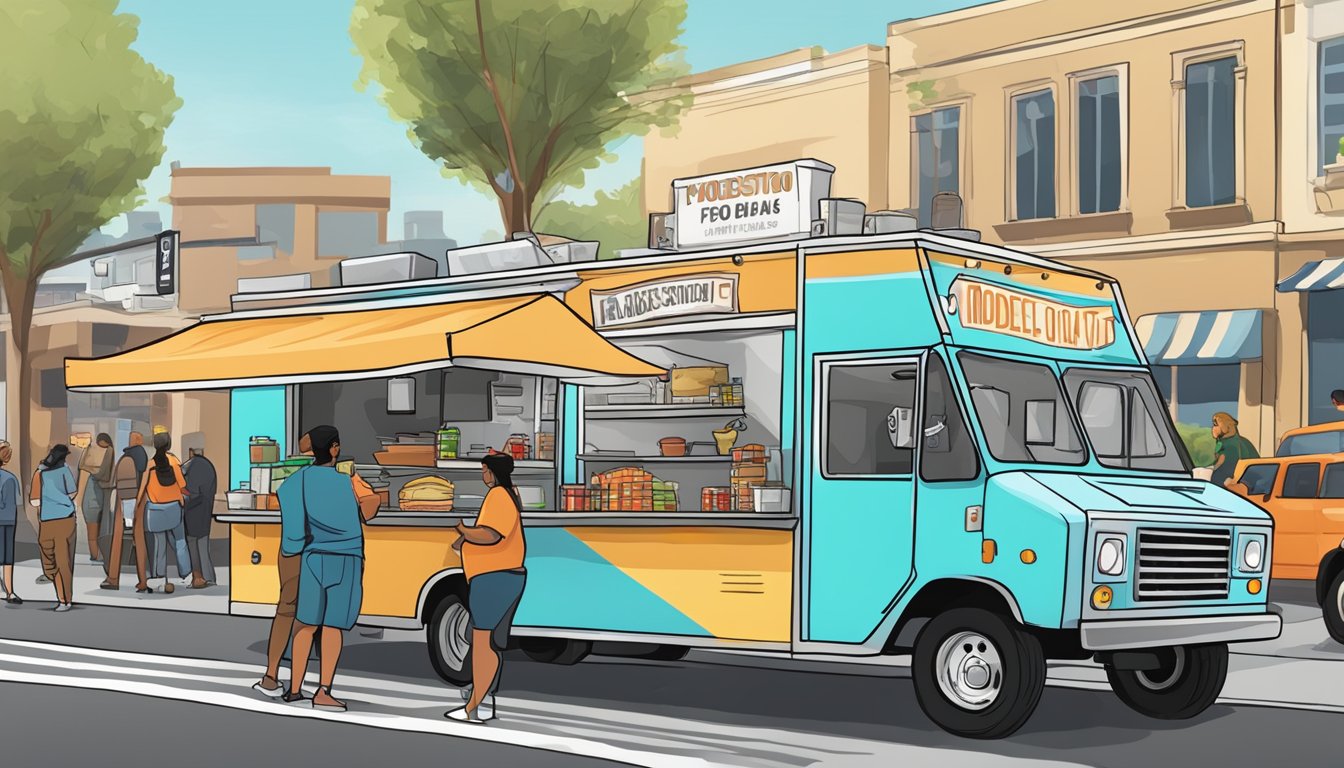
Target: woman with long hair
(162,492)
(53,494)
(493,550)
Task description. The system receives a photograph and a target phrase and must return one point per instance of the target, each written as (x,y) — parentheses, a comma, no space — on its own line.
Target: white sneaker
(487,709)
(462,716)
(62,607)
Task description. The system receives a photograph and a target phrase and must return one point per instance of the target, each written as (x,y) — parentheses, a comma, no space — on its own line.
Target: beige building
(1141,139)
(802,104)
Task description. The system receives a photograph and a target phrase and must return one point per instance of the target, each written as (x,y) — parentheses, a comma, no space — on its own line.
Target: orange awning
(534,334)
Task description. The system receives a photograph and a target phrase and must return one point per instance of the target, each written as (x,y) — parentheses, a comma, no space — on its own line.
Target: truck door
(858,545)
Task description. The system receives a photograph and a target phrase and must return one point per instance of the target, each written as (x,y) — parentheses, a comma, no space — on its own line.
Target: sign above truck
(994,308)
(663,299)
(766,203)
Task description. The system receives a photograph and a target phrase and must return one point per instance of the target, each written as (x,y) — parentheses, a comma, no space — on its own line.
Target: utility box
(388,268)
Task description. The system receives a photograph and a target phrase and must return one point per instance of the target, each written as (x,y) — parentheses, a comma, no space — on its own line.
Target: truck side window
(1333,485)
(1301,480)
(1259,479)
(868,425)
(947,451)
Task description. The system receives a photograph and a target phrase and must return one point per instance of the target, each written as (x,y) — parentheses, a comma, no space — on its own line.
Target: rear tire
(449,638)
(977,673)
(1332,608)
(555,650)
(1187,683)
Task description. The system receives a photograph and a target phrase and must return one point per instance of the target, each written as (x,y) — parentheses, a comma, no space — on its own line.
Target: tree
(82,118)
(521,98)
(616,219)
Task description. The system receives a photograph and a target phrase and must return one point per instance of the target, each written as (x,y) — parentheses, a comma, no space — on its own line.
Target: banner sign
(165,263)
(997,309)
(661,299)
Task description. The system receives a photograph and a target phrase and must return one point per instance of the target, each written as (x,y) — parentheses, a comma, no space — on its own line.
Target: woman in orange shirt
(492,558)
(162,491)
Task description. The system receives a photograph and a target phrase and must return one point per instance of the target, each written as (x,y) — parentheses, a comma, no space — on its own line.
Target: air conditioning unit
(839,217)
(889,222)
(496,257)
(388,268)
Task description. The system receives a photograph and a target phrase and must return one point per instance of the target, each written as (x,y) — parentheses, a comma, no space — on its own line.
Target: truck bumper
(1155,633)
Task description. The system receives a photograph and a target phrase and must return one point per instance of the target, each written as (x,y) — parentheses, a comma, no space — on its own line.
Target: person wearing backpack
(162,493)
(53,493)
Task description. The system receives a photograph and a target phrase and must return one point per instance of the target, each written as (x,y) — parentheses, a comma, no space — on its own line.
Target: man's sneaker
(273,693)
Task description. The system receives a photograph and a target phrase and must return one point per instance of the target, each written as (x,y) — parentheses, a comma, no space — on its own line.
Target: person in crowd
(321,520)
(129,471)
(202,485)
(9,520)
(95,485)
(53,492)
(1229,447)
(1337,399)
(493,550)
(162,493)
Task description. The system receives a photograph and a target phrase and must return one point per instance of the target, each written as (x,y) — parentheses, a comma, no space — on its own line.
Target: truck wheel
(555,650)
(449,636)
(1186,683)
(977,673)
(1333,608)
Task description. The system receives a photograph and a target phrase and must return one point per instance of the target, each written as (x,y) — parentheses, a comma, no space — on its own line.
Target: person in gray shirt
(9,517)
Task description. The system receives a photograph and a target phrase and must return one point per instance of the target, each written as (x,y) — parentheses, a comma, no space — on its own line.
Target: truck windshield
(1125,420)
(1022,411)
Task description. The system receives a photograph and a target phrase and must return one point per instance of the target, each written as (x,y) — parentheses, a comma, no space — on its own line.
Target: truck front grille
(1183,564)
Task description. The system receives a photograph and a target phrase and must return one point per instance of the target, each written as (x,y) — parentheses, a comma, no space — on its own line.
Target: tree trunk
(513,210)
(21,295)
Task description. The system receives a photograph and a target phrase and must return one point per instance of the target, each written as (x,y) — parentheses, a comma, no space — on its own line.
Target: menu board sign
(998,309)
(662,299)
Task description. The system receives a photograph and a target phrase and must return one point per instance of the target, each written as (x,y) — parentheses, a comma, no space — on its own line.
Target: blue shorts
(331,588)
(493,597)
(7,546)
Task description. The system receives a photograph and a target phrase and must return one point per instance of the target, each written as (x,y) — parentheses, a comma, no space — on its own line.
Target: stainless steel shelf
(662,411)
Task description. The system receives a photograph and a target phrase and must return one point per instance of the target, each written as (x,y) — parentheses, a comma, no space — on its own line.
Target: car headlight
(1252,552)
(1111,555)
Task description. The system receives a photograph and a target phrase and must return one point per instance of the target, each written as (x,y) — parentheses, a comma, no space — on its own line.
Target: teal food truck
(951,449)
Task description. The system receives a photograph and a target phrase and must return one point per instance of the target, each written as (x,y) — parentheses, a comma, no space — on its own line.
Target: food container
(696,381)
(545,446)
(241,499)
(406,455)
(578,498)
(765,499)
(264,450)
(716,499)
(749,454)
(672,446)
(531,497)
(447,440)
(518,447)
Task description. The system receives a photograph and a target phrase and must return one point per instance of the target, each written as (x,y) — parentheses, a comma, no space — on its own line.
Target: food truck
(773,434)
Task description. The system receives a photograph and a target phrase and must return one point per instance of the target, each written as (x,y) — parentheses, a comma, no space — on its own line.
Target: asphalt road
(740,715)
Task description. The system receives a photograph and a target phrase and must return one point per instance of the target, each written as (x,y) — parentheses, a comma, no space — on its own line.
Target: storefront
(1321,285)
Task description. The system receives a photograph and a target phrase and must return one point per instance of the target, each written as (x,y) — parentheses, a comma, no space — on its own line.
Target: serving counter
(398,518)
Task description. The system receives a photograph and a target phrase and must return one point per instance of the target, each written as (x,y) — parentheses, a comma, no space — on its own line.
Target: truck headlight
(1111,555)
(1252,552)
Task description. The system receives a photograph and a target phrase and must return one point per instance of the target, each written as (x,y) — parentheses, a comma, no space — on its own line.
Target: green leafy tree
(615,218)
(82,118)
(521,98)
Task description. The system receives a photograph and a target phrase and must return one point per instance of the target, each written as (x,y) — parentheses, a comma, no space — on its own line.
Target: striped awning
(1322,275)
(1200,338)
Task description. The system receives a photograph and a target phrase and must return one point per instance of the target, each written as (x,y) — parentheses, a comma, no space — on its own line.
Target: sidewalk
(89,575)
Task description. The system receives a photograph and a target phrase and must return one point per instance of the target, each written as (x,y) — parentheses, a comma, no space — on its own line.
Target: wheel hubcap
(970,670)
(455,637)
(1167,675)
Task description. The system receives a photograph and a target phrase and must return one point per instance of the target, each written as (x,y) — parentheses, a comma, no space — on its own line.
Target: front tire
(449,636)
(1187,682)
(1332,608)
(977,673)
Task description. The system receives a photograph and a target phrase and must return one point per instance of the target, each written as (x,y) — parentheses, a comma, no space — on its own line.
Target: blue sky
(271,82)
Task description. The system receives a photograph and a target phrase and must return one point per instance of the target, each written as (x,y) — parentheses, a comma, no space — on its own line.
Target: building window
(1196,392)
(937,156)
(1034,155)
(52,392)
(275,226)
(869,423)
(346,233)
(1325,353)
(1329,101)
(1210,133)
(1100,160)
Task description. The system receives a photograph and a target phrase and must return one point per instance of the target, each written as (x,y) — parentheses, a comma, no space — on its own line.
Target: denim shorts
(493,597)
(331,588)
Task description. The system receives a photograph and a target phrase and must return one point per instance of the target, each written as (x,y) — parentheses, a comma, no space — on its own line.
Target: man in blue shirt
(9,517)
(322,521)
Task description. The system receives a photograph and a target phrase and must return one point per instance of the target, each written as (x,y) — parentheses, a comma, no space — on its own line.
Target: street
(711,710)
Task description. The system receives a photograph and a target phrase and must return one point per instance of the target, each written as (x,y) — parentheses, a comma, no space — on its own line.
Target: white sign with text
(662,299)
